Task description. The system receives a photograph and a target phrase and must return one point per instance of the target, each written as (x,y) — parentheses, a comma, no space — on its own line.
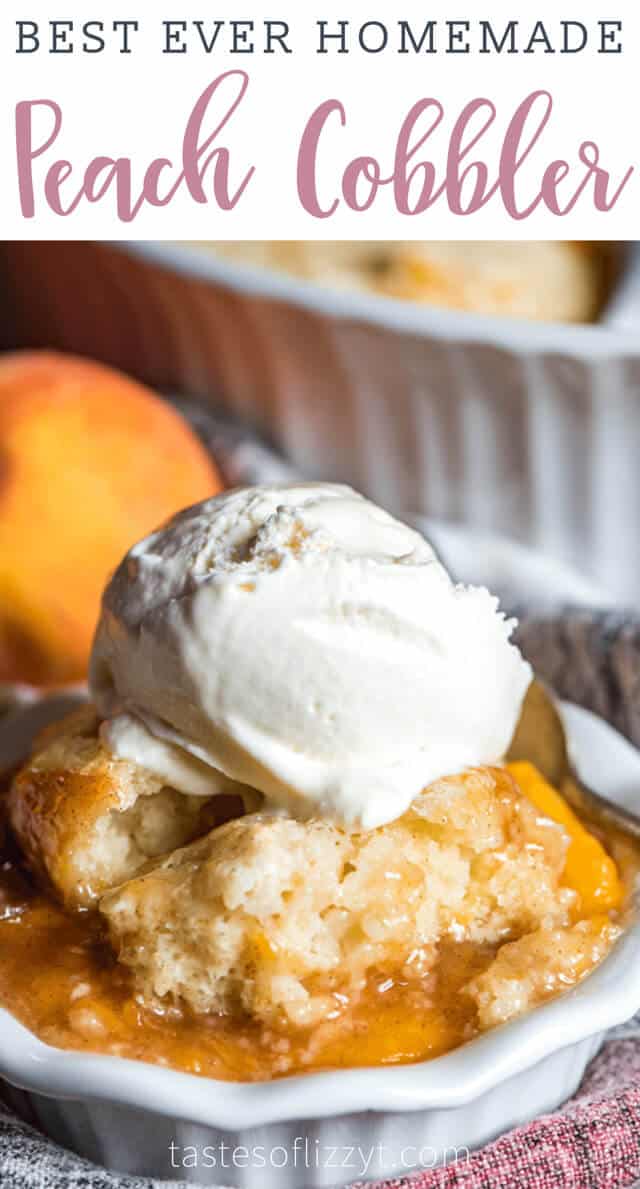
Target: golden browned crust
(85,819)
(283,919)
(553,281)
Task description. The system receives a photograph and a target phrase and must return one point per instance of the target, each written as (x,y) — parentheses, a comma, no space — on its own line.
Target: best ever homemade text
(451,37)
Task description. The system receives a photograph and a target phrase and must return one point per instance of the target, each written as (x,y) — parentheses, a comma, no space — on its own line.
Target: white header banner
(324,121)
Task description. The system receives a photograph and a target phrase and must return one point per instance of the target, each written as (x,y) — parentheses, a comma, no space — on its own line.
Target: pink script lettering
(203,160)
(465,180)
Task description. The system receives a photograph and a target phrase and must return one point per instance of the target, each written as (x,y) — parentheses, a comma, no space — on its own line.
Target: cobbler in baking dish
(285,837)
(541,280)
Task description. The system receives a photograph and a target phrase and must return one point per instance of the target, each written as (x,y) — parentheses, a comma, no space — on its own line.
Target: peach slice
(589,870)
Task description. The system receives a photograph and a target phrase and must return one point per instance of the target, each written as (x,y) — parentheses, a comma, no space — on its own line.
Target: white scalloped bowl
(127,1114)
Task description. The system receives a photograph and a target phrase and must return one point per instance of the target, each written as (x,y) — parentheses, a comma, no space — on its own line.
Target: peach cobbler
(286,836)
(541,280)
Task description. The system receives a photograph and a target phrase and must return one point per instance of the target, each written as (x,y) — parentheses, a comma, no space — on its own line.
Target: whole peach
(90,461)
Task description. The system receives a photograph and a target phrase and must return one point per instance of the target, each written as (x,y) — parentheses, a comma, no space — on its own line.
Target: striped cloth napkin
(592,1141)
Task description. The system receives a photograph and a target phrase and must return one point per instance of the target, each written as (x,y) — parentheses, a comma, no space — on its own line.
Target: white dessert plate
(128,1114)
(520,576)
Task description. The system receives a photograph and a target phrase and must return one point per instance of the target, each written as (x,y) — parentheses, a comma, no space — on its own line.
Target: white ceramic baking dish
(150,1120)
(523,429)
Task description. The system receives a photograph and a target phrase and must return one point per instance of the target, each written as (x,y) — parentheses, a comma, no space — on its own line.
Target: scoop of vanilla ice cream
(300,641)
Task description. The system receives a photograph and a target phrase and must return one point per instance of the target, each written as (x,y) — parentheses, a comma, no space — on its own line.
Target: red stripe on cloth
(592,1143)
